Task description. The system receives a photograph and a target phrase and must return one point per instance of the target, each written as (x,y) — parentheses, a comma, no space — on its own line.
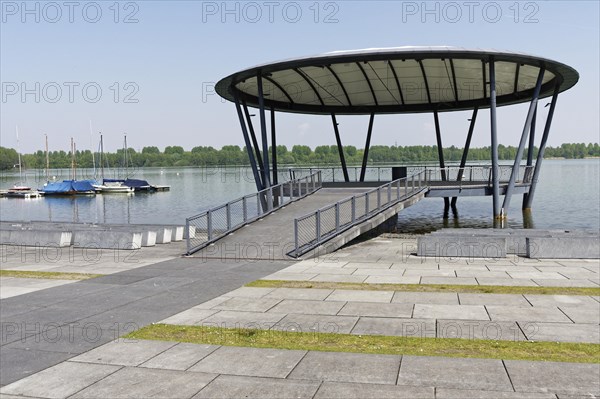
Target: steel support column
(526,129)
(340,148)
(253,136)
(273,147)
(263,129)
(530,150)
(363,169)
(494,142)
(540,156)
(253,165)
(438,137)
(463,160)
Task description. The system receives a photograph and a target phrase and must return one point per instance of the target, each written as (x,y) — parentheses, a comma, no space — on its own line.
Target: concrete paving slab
(213,302)
(228,386)
(316,294)
(515,313)
(124,352)
(397,327)
(418,264)
(485,274)
(230,319)
(566,378)
(347,367)
(442,298)
(479,329)
(565,283)
(190,317)
(133,383)
(458,373)
(583,315)
(430,273)
(562,301)
(444,393)
(368,265)
(379,272)
(339,278)
(248,304)
(296,306)
(345,390)
(537,275)
(493,299)
(60,381)
(459,312)
(250,292)
(510,282)
(360,296)
(180,357)
(370,309)
(562,332)
(316,323)
(449,280)
(329,270)
(254,362)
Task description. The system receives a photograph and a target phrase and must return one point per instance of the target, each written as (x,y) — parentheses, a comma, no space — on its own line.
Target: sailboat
(21,190)
(112,186)
(72,186)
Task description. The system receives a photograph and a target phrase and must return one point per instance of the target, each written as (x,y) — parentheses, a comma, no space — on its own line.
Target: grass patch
(447,347)
(479,289)
(48,275)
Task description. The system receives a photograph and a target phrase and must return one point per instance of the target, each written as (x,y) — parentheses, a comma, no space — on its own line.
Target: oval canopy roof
(396,80)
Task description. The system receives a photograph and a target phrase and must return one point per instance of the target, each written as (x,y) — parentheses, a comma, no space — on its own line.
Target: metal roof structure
(401,80)
(396,80)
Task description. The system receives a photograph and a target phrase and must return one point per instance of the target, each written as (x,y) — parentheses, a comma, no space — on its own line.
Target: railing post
(378,197)
(270,199)
(406,186)
(318,226)
(353,209)
(398,189)
(244,209)
(312,180)
(389,193)
(296,237)
(209,225)
(187,228)
(228,213)
(337,216)
(413,183)
(258,205)
(366,204)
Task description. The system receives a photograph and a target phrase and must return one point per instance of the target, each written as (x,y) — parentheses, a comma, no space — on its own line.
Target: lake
(568,196)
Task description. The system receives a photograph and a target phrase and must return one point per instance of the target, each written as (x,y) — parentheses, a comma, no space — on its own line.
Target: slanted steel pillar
(273,147)
(526,128)
(253,165)
(263,129)
(340,148)
(438,136)
(530,154)
(363,170)
(494,134)
(463,160)
(253,136)
(540,156)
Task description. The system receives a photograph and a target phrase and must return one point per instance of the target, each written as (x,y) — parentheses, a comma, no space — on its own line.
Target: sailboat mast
(19,153)
(72,160)
(101,156)
(47,160)
(125,152)
(92,147)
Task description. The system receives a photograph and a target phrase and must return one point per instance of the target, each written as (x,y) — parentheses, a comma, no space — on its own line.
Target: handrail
(314,228)
(208,226)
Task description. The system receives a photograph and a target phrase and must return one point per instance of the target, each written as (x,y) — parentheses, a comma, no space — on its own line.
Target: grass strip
(48,275)
(375,344)
(479,289)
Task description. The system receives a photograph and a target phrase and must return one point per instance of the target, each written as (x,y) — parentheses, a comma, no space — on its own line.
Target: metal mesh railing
(317,227)
(217,222)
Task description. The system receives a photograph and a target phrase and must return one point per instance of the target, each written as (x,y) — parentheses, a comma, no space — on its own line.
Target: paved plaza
(63,341)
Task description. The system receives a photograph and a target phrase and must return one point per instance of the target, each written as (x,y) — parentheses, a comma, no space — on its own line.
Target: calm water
(567,196)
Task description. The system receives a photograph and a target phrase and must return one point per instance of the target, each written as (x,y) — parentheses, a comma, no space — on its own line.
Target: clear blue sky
(175,52)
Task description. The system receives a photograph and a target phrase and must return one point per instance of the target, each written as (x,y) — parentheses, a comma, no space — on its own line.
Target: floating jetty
(90,235)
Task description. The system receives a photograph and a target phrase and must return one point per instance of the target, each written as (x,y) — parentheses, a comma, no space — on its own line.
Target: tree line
(298,155)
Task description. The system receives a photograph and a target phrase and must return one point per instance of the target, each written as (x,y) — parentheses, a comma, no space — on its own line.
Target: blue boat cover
(69,186)
(135,183)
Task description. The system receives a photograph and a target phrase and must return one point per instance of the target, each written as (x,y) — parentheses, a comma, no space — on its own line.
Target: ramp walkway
(294,218)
